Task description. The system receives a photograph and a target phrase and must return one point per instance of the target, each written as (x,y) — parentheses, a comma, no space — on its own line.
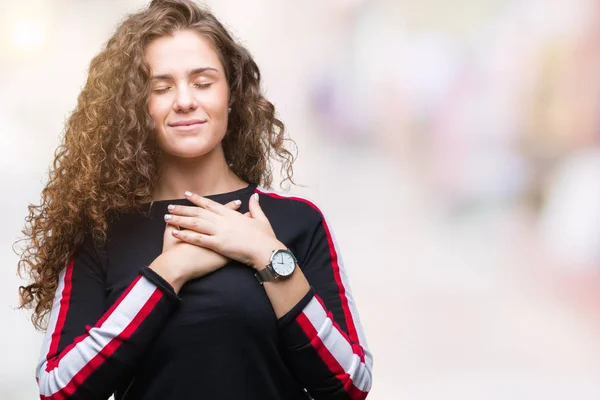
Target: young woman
(162,274)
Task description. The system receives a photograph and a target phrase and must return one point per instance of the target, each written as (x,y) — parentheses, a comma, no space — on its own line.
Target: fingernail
(168,217)
(256,196)
(170,207)
(175,232)
(188,194)
(237,202)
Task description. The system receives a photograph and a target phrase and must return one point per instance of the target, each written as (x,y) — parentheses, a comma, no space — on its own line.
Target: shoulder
(290,206)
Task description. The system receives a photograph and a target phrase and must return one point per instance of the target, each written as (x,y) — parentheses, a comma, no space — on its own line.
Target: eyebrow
(194,71)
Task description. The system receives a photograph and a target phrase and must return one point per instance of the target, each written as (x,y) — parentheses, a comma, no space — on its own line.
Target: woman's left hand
(247,238)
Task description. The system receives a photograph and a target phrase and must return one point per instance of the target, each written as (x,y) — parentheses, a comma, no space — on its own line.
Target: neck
(205,175)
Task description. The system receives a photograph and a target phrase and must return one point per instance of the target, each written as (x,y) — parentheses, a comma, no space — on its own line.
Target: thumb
(255,210)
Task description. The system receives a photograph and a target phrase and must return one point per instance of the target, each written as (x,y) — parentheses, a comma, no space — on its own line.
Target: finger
(247,214)
(254,207)
(233,205)
(207,204)
(168,239)
(195,238)
(195,211)
(192,211)
(196,224)
(168,230)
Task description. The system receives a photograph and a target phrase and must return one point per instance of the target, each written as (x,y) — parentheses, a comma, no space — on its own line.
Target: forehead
(183,51)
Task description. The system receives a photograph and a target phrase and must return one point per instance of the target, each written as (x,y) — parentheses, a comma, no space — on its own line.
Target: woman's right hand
(181,262)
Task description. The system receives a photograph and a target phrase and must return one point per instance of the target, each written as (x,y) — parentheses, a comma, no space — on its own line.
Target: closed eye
(202,85)
(161,90)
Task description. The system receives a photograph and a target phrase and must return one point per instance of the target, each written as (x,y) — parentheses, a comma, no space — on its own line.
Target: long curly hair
(107,160)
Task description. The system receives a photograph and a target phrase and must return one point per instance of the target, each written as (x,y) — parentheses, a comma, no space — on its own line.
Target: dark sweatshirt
(118,327)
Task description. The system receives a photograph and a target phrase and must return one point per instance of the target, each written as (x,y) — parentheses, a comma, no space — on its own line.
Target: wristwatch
(281,265)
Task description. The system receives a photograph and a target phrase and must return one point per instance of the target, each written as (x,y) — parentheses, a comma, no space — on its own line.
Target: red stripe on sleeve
(107,350)
(333,365)
(107,314)
(338,278)
(62,316)
(356,348)
(352,333)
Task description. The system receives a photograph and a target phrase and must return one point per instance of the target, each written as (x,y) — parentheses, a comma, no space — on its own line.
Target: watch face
(283,263)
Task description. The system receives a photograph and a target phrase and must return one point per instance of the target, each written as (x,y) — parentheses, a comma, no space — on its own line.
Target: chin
(189,150)
(189,147)
(186,153)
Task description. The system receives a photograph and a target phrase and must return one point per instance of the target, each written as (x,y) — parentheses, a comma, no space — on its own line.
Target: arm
(87,352)
(324,343)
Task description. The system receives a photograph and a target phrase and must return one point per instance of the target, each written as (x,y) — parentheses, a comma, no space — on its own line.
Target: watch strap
(265,275)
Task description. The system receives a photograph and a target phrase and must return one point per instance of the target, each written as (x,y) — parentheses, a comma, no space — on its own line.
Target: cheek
(156,109)
(219,100)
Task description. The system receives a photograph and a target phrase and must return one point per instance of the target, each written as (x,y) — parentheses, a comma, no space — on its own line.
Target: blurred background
(454,145)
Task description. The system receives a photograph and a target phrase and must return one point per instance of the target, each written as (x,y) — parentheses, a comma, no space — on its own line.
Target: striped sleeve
(88,352)
(325,345)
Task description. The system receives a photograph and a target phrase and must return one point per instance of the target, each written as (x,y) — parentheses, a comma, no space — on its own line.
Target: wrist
(262,255)
(173,276)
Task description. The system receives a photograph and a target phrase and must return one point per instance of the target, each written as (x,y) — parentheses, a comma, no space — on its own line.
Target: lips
(188,122)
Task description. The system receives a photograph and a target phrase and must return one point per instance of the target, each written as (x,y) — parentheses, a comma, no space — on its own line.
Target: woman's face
(190,95)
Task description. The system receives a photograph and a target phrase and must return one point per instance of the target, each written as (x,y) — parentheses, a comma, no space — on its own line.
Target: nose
(185,101)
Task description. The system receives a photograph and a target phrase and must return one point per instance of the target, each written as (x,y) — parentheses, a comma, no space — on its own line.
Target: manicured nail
(188,194)
(237,202)
(170,207)
(168,217)
(256,196)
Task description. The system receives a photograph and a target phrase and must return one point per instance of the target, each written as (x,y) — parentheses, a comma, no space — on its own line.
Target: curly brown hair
(107,161)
